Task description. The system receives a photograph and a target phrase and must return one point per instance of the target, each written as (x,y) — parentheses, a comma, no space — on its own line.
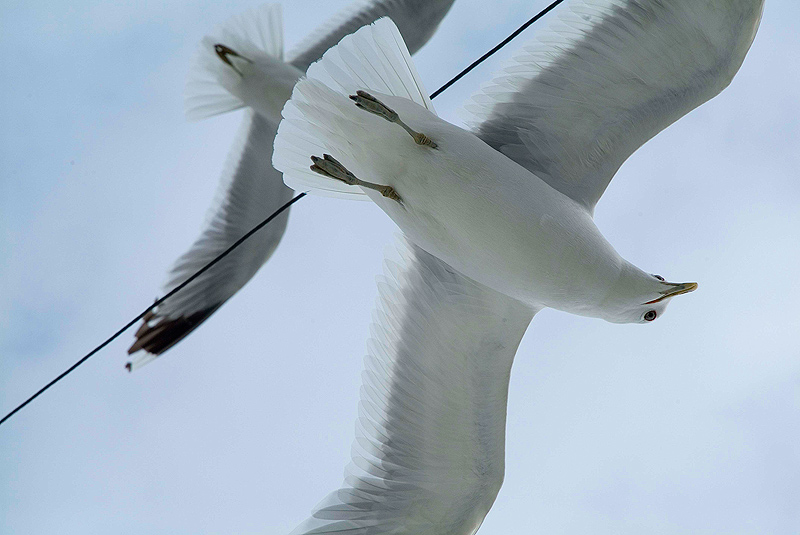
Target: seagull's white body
(500,225)
(516,239)
(250,188)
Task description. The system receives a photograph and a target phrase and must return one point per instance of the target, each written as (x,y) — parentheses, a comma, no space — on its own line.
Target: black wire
(258,227)
(172,292)
(502,43)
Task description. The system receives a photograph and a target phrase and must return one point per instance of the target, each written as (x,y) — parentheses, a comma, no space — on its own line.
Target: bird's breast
(496,222)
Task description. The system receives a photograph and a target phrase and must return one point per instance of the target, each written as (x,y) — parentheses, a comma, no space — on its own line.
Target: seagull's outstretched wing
(613,74)
(417,20)
(428,457)
(250,190)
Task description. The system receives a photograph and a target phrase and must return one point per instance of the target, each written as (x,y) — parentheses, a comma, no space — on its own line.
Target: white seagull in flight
(499,225)
(242,65)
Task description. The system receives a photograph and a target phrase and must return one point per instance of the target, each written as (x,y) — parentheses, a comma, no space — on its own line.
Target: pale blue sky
(689,425)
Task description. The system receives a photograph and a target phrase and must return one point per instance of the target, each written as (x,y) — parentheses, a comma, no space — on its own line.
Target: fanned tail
(320,118)
(255,32)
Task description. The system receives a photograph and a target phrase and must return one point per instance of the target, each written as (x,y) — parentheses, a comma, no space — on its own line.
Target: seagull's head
(640,297)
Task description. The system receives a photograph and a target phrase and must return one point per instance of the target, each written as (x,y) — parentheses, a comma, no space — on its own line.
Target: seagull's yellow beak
(223,52)
(674,289)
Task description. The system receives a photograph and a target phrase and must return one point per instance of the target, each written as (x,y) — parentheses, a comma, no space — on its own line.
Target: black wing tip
(158,338)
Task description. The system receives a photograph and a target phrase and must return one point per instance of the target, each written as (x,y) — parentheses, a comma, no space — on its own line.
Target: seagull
(241,65)
(497,223)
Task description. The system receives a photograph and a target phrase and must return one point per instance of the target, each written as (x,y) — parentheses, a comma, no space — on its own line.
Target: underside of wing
(428,457)
(251,189)
(417,20)
(572,107)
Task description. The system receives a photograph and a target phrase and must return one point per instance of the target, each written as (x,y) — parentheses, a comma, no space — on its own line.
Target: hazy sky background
(689,425)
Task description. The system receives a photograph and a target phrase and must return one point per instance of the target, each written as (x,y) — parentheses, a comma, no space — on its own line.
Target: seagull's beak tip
(673,290)
(683,288)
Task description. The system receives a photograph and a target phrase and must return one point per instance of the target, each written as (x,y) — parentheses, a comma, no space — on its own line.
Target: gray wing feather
(250,190)
(430,438)
(573,107)
(417,20)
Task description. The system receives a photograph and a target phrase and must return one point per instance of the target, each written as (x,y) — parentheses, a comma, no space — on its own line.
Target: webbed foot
(367,102)
(332,168)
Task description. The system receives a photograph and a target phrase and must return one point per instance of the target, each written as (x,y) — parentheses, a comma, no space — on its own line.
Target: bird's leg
(367,102)
(330,167)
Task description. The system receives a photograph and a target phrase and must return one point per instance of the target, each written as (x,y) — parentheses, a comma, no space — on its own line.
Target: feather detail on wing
(573,107)
(428,457)
(251,189)
(416,19)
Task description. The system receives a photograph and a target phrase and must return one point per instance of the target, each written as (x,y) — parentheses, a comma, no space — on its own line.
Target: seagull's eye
(650,315)
(659,277)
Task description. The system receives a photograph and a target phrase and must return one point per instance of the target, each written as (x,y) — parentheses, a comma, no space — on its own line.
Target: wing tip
(158,338)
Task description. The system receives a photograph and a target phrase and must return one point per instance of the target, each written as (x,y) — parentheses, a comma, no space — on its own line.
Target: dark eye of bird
(659,277)
(650,316)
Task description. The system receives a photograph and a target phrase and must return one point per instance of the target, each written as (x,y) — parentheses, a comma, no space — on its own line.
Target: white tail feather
(254,32)
(320,118)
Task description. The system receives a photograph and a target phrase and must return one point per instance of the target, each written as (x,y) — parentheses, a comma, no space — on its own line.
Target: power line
(261,225)
(172,292)
(500,45)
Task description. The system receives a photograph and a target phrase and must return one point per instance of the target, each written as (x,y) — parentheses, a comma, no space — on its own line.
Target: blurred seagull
(242,65)
(499,225)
